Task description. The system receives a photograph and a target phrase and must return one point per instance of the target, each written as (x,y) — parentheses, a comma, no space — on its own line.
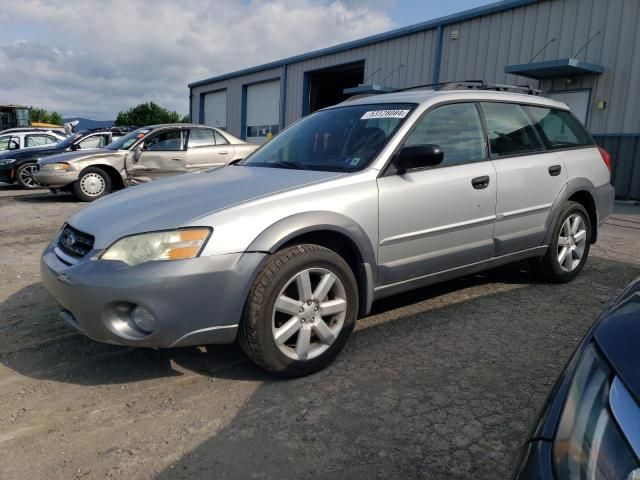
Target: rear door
(439,218)
(530,178)
(162,154)
(205,149)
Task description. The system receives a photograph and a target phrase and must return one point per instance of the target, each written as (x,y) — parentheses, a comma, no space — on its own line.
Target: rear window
(559,128)
(509,129)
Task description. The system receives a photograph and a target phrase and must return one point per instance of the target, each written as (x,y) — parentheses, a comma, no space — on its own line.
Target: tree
(41,115)
(147,114)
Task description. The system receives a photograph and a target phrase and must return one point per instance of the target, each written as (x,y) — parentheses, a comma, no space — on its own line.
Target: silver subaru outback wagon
(353,203)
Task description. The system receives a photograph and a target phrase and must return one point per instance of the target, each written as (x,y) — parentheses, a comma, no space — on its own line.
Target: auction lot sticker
(384,114)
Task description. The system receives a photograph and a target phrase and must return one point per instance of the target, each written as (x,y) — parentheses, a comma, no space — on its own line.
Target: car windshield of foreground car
(343,139)
(124,143)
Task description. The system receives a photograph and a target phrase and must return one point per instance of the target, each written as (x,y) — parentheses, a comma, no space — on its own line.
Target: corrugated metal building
(583,52)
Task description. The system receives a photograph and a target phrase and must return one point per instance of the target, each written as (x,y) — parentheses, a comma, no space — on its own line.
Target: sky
(95,58)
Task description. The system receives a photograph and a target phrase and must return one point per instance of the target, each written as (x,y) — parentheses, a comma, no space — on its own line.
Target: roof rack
(476,85)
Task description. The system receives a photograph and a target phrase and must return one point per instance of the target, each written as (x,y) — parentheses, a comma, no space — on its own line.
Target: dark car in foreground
(590,425)
(18,166)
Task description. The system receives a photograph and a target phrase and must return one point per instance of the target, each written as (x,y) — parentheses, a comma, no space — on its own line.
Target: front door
(162,154)
(530,178)
(439,218)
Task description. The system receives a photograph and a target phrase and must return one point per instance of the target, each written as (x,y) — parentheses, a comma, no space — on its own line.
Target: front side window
(95,141)
(37,140)
(456,128)
(201,137)
(165,141)
(509,129)
(342,139)
(559,128)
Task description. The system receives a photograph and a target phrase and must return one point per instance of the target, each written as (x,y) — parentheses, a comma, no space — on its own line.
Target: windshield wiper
(292,165)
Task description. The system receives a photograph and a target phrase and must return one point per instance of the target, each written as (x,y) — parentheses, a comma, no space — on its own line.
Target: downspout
(283,96)
(435,76)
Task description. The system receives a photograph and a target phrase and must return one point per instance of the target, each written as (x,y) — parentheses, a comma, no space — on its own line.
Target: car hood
(175,201)
(77,155)
(618,335)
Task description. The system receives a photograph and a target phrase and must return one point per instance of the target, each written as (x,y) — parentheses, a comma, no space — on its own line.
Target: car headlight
(55,167)
(589,443)
(167,245)
(7,161)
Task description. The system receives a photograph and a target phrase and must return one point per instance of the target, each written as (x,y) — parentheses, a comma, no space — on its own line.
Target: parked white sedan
(26,139)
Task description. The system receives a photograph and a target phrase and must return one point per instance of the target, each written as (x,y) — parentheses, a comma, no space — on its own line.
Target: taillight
(606,158)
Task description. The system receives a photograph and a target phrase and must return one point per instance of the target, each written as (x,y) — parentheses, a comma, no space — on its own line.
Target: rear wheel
(24,176)
(569,249)
(300,311)
(92,184)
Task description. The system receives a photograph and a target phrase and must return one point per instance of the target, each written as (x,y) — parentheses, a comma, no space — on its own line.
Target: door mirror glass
(418,156)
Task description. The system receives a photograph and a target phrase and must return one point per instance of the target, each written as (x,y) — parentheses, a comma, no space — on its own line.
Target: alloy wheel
(26,176)
(572,241)
(309,313)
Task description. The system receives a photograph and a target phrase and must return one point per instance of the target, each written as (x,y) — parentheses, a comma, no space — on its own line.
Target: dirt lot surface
(443,382)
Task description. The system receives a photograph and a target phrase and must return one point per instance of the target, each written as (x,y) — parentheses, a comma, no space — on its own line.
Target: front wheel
(569,248)
(300,311)
(24,176)
(92,184)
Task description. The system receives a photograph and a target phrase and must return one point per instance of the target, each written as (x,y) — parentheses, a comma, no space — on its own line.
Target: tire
(549,267)
(92,184)
(24,176)
(263,320)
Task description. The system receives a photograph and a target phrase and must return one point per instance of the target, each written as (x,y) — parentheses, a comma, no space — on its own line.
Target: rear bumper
(195,302)
(55,179)
(605,199)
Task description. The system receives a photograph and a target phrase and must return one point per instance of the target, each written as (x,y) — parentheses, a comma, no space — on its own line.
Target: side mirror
(418,156)
(75,146)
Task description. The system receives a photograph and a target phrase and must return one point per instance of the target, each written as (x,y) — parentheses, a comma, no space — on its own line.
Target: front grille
(74,242)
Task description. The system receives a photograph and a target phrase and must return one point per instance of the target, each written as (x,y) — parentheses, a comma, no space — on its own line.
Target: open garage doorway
(325,87)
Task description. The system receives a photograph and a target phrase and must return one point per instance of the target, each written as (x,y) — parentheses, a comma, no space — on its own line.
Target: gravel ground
(443,382)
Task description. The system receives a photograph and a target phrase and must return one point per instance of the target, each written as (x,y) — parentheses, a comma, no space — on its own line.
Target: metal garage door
(263,111)
(215,109)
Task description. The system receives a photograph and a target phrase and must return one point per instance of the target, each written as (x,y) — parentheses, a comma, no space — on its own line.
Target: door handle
(177,159)
(480,182)
(555,170)
(223,153)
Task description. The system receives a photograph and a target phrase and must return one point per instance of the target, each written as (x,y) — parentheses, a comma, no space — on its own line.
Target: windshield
(343,139)
(124,143)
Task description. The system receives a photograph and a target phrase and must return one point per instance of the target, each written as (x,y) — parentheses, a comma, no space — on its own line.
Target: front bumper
(55,178)
(195,302)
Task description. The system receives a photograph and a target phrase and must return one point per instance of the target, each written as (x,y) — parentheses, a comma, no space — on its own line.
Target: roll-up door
(215,109)
(263,111)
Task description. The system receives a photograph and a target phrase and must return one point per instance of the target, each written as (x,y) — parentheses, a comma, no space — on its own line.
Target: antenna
(542,49)
(588,42)
(371,76)
(392,72)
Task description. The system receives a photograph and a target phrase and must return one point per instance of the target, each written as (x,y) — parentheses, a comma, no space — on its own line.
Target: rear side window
(201,137)
(456,128)
(220,140)
(559,128)
(37,140)
(509,129)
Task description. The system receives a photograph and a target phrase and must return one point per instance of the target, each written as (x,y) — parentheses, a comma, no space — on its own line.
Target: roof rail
(476,85)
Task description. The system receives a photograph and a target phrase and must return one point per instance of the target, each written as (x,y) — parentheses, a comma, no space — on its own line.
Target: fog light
(143,319)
